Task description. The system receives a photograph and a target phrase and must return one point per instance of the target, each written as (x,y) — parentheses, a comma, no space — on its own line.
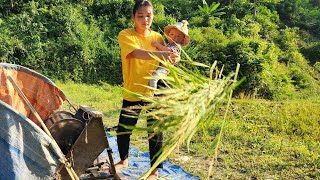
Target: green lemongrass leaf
(134,128)
(193,68)
(137,95)
(194,63)
(133,94)
(188,58)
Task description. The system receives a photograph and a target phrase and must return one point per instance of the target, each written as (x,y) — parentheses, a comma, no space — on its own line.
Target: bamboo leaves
(210,10)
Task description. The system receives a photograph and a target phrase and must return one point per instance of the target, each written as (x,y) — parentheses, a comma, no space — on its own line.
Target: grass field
(261,140)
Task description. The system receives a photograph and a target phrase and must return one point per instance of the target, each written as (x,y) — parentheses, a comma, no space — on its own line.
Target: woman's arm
(147,55)
(160,47)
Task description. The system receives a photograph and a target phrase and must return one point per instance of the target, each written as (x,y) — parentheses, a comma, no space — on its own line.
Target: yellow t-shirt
(135,70)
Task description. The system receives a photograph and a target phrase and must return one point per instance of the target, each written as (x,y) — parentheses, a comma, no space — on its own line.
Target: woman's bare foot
(154,175)
(121,164)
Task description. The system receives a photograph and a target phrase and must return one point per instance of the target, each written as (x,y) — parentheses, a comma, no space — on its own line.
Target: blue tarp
(26,152)
(139,163)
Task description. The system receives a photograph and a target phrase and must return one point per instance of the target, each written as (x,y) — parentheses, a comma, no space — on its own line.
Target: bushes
(61,42)
(311,52)
(275,82)
(71,40)
(317,66)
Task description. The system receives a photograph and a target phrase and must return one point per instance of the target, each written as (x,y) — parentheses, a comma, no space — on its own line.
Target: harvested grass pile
(187,104)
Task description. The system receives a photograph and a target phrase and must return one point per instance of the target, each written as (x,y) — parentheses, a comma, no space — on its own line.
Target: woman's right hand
(172,57)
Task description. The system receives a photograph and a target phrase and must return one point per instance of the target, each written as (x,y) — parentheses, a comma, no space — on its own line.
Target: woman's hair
(140,3)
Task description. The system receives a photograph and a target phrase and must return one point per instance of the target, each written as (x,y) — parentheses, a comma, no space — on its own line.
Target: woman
(137,55)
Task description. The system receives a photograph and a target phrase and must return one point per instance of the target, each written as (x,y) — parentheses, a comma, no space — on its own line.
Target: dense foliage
(275,41)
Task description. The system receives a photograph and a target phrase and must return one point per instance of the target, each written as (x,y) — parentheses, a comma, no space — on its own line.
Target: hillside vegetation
(276,42)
